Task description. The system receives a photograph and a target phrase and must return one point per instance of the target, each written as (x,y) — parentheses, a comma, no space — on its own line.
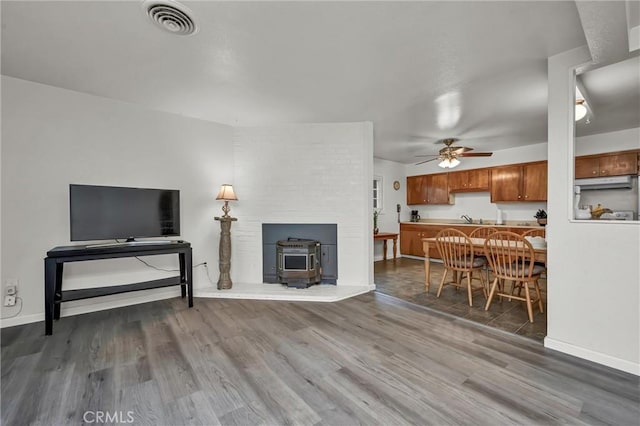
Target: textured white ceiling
(420,71)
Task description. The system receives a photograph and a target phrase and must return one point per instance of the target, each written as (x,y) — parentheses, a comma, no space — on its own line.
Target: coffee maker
(415,217)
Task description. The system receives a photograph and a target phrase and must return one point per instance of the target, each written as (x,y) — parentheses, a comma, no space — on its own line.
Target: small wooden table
(539,255)
(384,236)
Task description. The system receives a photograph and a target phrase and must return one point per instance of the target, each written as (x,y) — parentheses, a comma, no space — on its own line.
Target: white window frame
(377,193)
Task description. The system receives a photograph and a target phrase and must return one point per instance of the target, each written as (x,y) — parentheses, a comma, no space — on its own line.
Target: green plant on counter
(540,214)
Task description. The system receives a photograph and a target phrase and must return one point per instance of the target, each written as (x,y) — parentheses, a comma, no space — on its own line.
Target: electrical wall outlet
(11,287)
(9,301)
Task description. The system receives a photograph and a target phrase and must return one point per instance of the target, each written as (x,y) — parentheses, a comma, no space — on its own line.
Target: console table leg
(183,275)
(58,291)
(189,271)
(49,289)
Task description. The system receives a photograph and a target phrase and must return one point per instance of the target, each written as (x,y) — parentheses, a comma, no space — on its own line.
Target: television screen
(110,212)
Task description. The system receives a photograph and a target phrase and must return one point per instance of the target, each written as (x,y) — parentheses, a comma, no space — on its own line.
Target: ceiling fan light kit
(449,155)
(449,163)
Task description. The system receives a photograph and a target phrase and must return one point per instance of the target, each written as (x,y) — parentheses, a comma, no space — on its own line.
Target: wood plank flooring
(372,359)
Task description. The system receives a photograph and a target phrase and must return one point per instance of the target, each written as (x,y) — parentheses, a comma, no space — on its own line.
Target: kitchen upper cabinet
(606,165)
(587,167)
(438,188)
(475,180)
(523,182)
(417,189)
(534,182)
(428,189)
(506,183)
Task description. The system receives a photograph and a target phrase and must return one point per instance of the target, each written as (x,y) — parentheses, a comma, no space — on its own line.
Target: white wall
(593,270)
(307,173)
(622,140)
(52,137)
(390,171)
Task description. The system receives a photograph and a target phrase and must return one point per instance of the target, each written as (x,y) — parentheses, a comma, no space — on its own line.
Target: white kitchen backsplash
(478,205)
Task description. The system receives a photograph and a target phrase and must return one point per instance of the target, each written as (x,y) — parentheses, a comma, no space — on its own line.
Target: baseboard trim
(589,355)
(93,307)
(260,291)
(341,293)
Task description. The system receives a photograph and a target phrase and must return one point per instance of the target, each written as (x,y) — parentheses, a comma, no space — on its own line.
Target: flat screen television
(111,212)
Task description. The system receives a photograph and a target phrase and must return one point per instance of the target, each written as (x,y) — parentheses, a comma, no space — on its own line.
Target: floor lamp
(226,194)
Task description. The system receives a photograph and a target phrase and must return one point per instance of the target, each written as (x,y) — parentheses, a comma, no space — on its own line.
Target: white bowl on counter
(537,242)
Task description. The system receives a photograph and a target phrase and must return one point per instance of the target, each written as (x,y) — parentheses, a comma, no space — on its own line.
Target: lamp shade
(226,193)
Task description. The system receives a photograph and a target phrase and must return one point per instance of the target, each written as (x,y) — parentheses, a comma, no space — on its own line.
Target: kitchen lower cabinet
(411,238)
(411,235)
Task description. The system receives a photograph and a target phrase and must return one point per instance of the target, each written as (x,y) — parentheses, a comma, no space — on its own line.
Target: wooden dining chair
(537,232)
(458,256)
(484,232)
(511,257)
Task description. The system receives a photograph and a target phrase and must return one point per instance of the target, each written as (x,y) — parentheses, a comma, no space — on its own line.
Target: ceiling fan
(449,155)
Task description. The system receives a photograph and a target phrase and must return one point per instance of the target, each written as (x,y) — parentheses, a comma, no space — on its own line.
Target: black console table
(58,256)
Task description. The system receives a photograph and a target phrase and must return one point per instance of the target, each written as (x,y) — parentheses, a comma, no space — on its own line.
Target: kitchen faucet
(466,218)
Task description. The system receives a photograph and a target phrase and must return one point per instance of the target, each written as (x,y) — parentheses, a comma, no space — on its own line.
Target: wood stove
(298,262)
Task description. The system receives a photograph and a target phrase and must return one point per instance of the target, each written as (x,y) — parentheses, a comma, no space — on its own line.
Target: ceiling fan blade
(426,161)
(475,154)
(460,149)
(428,155)
(454,149)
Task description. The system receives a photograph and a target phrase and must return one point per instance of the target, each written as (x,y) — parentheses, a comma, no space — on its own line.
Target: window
(377,193)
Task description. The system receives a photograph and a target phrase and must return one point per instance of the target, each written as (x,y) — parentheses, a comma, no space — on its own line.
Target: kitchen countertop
(507,224)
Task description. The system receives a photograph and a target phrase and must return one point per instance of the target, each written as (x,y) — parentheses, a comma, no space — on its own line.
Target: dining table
(539,255)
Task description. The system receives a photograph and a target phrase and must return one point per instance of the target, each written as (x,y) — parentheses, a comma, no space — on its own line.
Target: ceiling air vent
(170,16)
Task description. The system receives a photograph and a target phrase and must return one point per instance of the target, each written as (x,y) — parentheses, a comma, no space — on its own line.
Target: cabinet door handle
(595,172)
(603,172)
(526,196)
(519,196)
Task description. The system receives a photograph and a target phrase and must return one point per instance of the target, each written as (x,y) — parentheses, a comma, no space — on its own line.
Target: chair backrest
(455,249)
(538,232)
(510,256)
(482,232)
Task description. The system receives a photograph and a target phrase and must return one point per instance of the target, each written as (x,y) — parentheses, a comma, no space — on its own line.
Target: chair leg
(537,287)
(484,284)
(528,297)
(513,288)
(491,293)
(469,290)
(444,277)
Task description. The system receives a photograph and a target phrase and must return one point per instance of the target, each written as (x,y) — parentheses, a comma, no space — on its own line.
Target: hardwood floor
(372,359)
(404,278)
